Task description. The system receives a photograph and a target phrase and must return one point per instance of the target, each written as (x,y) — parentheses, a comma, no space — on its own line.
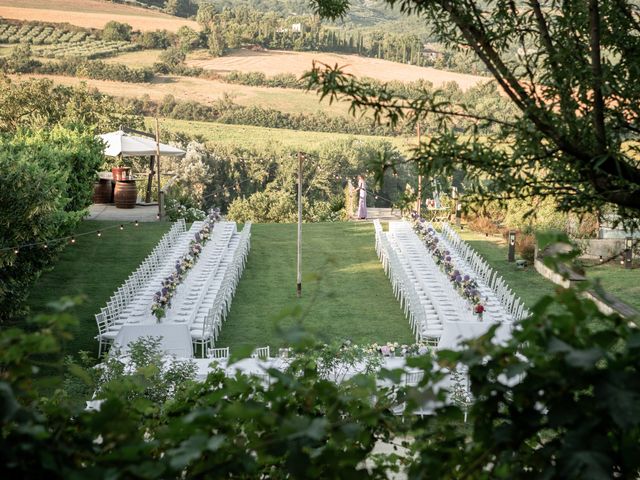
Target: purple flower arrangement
(466,286)
(162,298)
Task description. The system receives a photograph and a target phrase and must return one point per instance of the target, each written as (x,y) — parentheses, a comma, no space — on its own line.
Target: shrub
(155,39)
(526,246)
(46,184)
(116,31)
(173,56)
(483,225)
(187,38)
(96,69)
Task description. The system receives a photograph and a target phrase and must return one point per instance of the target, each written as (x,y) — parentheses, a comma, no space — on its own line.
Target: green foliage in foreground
(46,183)
(560,400)
(350,298)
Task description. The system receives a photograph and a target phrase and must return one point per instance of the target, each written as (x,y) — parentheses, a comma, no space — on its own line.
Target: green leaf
(215,442)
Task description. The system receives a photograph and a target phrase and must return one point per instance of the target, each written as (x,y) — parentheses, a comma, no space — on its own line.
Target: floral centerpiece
(394,349)
(162,298)
(464,284)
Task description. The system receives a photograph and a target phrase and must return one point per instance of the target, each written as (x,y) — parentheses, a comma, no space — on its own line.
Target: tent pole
(158,167)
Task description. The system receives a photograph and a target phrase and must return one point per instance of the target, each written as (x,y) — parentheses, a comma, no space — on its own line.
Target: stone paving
(107,211)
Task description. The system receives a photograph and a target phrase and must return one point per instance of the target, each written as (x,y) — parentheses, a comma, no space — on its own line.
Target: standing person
(362,196)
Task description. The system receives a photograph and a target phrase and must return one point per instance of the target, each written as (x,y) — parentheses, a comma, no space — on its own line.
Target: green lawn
(95,267)
(350,299)
(527,284)
(624,284)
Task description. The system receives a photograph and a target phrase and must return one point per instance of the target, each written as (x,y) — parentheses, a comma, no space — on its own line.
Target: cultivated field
(208,91)
(272,62)
(90,14)
(139,59)
(267,138)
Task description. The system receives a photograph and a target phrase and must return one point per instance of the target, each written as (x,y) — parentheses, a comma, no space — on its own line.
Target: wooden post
(299,253)
(511,257)
(147,197)
(158,167)
(419,206)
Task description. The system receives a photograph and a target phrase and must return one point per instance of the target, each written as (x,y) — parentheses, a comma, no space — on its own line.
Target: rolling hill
(91,14)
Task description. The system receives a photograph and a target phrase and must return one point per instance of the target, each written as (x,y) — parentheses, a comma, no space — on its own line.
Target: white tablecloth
(456,332)
(175,339)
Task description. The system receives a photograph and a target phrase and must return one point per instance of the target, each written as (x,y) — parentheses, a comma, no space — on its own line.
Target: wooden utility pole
(419,206)
(158,167)
(299,269)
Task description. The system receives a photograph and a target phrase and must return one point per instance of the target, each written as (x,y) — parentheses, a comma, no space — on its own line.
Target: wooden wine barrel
(102,191)
(125,194)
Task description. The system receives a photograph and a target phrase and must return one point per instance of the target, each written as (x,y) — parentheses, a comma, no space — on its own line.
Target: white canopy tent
(123,144)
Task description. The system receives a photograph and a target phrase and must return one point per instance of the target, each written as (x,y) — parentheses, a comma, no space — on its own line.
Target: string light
(158,216)
(136,223)
(72,239)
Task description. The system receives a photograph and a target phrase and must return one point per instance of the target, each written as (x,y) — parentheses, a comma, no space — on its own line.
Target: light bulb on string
(121,227)
(136,223)
(158,216)
(99,233)
(45,246)
(16,251)
(73,240)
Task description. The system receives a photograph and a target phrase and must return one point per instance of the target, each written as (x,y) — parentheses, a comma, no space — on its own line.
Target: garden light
(99,233)
(121,227)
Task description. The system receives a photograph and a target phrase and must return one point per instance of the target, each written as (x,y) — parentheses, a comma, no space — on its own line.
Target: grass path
(95,267)
(353,297)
